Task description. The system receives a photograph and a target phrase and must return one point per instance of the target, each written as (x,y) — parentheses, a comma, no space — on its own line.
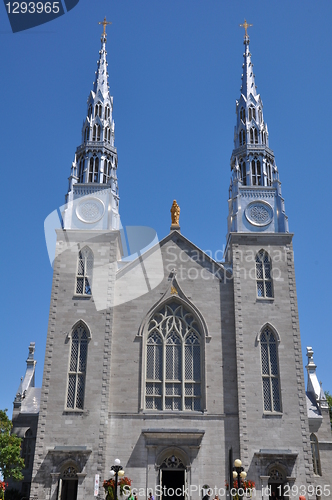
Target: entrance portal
(173,484)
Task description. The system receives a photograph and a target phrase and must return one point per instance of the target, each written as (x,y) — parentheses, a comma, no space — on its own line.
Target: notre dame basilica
(163,357)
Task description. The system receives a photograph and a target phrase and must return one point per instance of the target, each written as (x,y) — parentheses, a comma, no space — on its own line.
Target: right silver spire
(255,201)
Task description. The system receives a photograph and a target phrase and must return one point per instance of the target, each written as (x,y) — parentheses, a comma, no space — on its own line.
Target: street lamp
(238,473)
(116,471)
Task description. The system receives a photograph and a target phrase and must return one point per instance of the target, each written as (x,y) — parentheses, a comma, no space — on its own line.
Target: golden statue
(175,213)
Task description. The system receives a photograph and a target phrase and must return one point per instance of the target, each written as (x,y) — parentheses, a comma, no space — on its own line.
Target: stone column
(54,485)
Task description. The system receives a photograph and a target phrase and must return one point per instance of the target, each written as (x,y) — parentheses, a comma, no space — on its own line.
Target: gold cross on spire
(104,23)
(245,25)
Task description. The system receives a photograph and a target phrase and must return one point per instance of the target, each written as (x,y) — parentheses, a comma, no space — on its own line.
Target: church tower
(73,418)
(255,204)
(93,194)
(273,425)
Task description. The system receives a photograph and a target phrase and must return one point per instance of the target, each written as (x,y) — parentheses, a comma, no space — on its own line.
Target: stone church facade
(169,360)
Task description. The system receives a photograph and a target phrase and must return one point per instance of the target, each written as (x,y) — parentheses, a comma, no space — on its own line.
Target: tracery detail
(270,371)
(173,360)
(77,368)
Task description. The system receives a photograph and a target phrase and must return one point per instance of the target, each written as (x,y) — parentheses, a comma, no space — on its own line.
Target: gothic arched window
(270,371)
(27,448)
(315,455)
(242,137)
(81,170)
(90,111)
(77,368)
(173,360)
(243,115)
(94,169)
(263,275)
(256,172)
(243,172)
(268,173)
(98,109)
(260,116)
(256,136)
(84,272)
(107,134)
(107,112)
(252,113)
(86,134)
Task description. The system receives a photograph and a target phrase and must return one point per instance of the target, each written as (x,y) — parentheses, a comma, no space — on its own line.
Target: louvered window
(270,371)
(263,275)
(77,368)
(84,272)
(173,360)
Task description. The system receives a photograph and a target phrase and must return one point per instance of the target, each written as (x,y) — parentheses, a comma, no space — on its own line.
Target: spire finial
(245,25)
(104,23)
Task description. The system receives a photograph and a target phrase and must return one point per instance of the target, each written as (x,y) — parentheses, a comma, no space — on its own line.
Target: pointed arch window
(256,172)
(242,137)
(243,115)
(96,133)
(84,272)
(270,371)
(315,455)
(268,173)
(107,112)
(107,134)
(98,109)
(252,113)
(81,170)
(173,360)
(263,275)
(28,448)
(86,134)
(260,115)
(243,172)
(107,170)
(77,368)
(253,136)
(90,111)
(94,169)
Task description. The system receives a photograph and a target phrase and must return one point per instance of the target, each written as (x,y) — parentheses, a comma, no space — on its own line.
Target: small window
(107,112)
(256,136)
(260,116)
(315,455)
(81,170)
(90,111)
(243,173)
(270,371)
(242,137)
(77,368)
(256,172)
(263,275)
(94,169)
(98,109)
(268,173)
(84,272)
(243,115)
(86,134)
(27,449)
(252,113)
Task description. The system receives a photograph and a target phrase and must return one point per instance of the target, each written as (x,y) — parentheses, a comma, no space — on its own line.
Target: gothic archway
(277,482)
(173,474)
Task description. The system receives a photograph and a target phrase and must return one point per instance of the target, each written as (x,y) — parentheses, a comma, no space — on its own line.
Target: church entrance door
(173,484)
(69,489)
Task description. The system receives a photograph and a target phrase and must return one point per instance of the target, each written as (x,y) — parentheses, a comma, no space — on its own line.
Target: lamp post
(116,471)
(238,473)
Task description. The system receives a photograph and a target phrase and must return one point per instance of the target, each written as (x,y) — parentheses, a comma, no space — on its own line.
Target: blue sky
(175,73)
